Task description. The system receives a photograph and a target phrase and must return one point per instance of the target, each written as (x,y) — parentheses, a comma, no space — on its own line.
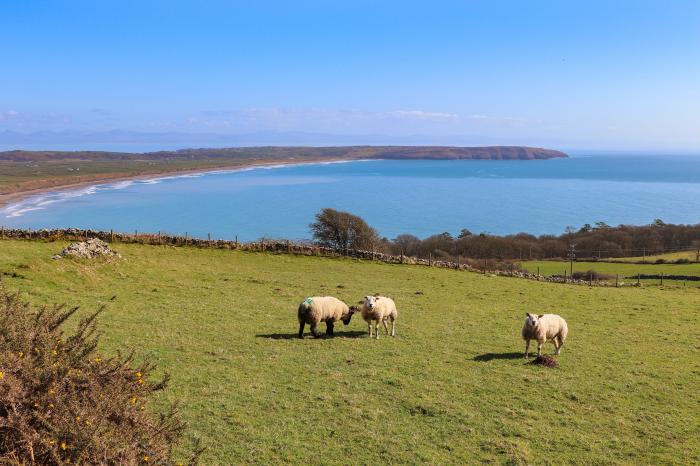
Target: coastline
(12,198)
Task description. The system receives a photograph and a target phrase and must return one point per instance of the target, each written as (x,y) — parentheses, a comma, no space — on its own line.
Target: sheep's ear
(527,314)
(360,302)
(540,316)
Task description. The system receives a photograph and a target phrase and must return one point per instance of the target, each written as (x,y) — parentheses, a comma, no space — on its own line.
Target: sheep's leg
(539,347)
(561,343)
(527,347)
(386,327)
(314,332)
(301,329)
(376,330)
(329,328)
(393,327)
(369,326)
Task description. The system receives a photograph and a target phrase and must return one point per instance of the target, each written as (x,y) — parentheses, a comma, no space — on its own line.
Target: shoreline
(7,200)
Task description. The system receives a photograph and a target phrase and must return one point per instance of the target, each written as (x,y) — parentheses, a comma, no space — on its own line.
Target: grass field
(669,257)
(619,268)
(451,388)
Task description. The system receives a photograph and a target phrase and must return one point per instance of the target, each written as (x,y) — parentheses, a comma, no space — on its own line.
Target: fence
(286,247)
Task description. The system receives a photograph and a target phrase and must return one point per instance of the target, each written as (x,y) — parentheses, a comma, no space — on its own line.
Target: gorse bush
(63,403)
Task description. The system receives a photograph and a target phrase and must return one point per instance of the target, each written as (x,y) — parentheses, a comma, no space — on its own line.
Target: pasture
(623,269)
(451,388)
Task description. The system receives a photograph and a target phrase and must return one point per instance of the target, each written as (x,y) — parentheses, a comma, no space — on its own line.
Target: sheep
(544,327)
(379,309)
(322,309)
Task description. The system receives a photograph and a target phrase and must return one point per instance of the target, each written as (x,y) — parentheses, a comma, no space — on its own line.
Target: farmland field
(452,387)
(624,270)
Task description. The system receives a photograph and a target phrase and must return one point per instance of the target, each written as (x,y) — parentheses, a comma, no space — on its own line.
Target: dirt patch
(545,360)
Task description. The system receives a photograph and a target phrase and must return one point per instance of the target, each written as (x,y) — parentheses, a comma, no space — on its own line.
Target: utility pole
(572,256)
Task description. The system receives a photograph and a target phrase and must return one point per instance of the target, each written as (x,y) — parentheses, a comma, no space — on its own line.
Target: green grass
(669,257)
(451,388)
(619,268)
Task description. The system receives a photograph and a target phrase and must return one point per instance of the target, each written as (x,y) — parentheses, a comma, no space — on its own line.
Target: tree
(343,230)
(464,233)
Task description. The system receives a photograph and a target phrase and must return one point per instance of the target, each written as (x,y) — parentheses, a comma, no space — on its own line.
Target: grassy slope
(451,388)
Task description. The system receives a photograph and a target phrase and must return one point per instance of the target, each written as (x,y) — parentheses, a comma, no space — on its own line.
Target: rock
(89,249)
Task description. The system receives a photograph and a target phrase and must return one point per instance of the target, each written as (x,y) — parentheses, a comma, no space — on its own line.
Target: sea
(418,197)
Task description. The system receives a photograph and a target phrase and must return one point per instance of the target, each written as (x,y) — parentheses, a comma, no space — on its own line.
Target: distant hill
(239,154)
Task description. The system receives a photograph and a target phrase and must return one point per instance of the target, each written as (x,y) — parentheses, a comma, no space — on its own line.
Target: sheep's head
(371,301)
(346,318)
(532,319)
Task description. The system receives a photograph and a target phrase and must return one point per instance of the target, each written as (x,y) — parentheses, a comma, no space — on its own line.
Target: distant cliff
(469,153)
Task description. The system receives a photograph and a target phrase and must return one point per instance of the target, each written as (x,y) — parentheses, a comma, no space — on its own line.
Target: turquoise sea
(419,197)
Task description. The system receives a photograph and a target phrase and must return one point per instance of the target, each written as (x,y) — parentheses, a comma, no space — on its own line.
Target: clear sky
(617,74)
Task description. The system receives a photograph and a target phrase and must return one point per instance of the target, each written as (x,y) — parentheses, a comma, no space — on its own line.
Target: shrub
(660,261)
(61,402)
(683,260)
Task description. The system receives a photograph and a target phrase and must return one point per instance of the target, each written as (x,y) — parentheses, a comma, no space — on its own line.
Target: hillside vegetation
(451,388)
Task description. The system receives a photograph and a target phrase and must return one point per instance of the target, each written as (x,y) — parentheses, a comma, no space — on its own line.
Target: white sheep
(322,309)
(544,327)
(378,309)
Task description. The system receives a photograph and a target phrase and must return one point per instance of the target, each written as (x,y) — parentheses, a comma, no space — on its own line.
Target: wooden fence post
(617,278)
(638,279)
(402,256)
(236,241)
(538,273)
(590,279)
(662,279)
(564,275)
(209,237)
(430,259)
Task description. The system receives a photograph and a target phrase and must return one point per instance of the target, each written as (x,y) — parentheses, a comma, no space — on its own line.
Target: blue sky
(566,74)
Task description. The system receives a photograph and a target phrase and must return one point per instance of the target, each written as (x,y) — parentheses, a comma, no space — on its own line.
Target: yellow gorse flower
(2,375)
(63,445)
